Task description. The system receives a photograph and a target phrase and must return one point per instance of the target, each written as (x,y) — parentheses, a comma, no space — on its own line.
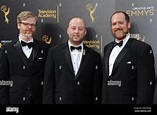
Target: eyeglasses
(27,24)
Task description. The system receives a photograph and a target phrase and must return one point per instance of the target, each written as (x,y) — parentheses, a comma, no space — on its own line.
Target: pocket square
(129,62)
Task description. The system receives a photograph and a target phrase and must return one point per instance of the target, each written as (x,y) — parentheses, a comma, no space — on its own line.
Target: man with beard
(128,66)
(22,64)
(73,72)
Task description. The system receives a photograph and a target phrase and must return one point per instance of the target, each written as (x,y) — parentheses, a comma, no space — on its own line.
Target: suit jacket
(133,76)
(27,79)
(61,86)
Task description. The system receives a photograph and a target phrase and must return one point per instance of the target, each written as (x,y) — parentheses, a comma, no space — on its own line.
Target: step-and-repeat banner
(54,15)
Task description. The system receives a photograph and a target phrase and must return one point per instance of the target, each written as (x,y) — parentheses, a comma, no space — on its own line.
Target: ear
(67,30)
(85,31)
(129,25)
(18,25)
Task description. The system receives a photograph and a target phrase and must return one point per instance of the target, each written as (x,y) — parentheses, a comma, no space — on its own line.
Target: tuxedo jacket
(61,86)
(133,76)
(27,78)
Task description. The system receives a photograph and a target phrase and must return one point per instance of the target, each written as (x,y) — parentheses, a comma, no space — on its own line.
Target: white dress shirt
(76,57)
(27,51)
(114,53)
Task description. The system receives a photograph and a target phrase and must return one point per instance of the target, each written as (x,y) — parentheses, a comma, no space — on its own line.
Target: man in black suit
(22,64)
(73,72)
(128,66)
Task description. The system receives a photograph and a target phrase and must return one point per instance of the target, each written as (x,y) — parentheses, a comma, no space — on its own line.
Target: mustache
(118,29)
(28,32)
(76,35)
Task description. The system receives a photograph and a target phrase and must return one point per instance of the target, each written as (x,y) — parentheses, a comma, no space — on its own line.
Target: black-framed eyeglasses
(28,24)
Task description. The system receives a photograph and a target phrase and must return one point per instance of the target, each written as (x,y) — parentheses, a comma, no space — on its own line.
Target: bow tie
(119,44)
(77,48)
(30,44)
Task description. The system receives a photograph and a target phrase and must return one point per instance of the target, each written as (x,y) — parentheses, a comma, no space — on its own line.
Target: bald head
(76,30)
(77,20)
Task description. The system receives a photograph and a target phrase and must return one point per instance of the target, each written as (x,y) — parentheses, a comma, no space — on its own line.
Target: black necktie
(77,48)
(30,44)
(119,44)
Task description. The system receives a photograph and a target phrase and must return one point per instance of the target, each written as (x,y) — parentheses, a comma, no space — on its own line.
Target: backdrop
(54,16)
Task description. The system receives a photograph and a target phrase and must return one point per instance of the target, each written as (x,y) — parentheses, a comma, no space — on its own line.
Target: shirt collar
(31,40)
(69,44)
(125,39)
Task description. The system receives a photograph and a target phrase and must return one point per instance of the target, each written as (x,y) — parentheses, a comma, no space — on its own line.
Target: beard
(27,35)
(120,34)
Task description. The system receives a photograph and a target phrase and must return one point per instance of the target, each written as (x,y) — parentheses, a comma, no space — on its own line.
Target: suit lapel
(106,57)
(66,53)
(17,46)
(121,55)
(84,60)
(35,49)
(83,63)
(119,58)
